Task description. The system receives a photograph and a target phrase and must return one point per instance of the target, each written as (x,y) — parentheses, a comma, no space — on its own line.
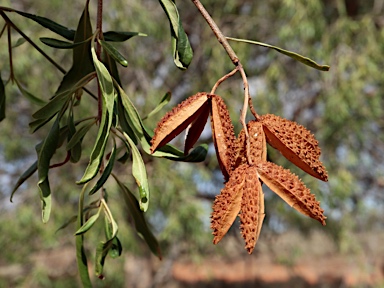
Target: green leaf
(110,219)
(101,253)
(140,174)
(183,53)
(107,171)
(80,253)
(52,107)
(76,149)
(30,96)
(51,25)
(182,50)
(59,44)
(46,113)
(118,36)
(108,96)
(116,248)
(46,152)
(79,135)
(2,99)
(69,221)
(198,154)
(123,121)
(28,173)
(297,57)
(114,53)
(138,217)
(112,67)
(82,64)
(87,225)
(19,42)
(164,101)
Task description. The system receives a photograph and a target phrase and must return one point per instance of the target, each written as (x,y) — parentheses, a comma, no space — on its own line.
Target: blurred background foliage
(342,107)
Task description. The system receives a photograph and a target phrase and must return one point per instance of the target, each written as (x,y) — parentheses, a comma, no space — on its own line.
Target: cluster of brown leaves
(245,172)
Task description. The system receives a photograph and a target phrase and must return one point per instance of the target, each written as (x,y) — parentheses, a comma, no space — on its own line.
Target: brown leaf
(291,189)
(178,119)
(296,143)
(227,204)
(252,209)
(195,129)
(257,142)
(223,135)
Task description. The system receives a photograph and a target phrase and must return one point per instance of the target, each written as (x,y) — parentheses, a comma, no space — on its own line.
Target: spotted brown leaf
(252,209)
(223,135)
(258,151)
(195,129)
(291,189)
(227,204)
(175,121)
(296,143)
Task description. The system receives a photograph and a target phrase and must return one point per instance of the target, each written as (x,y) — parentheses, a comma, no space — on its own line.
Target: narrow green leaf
(76,149)
(68,222)
(138,217)
(139,172)
(111,66)
(51,25)
(107,171)
(19,42)
(74,217)
(108,96)
(198,154)
(30,96)
(118,36)
(123,121)
(89,223)
(28,173)
(101,253)
(164,101)
(80,253)
(79,135)
(2,99)
(297,57)
(182,50)
(82,64)
(114,53)
(52,107)
(46,113)
(59,44)
(46,152)
(116,248)
(110,219)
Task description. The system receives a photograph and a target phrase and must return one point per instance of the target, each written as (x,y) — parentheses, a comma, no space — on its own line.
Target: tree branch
(235,60)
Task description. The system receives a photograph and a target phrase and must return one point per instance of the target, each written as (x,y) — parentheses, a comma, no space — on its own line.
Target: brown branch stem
(235,60)
(67,158)
(222,79)
(11,76)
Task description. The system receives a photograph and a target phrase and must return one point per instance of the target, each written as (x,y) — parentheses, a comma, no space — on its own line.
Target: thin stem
(247,97)
(11,76)
(235,60)
(99,24)
(219,35)
(222,79)
(61,69)
(62,163)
